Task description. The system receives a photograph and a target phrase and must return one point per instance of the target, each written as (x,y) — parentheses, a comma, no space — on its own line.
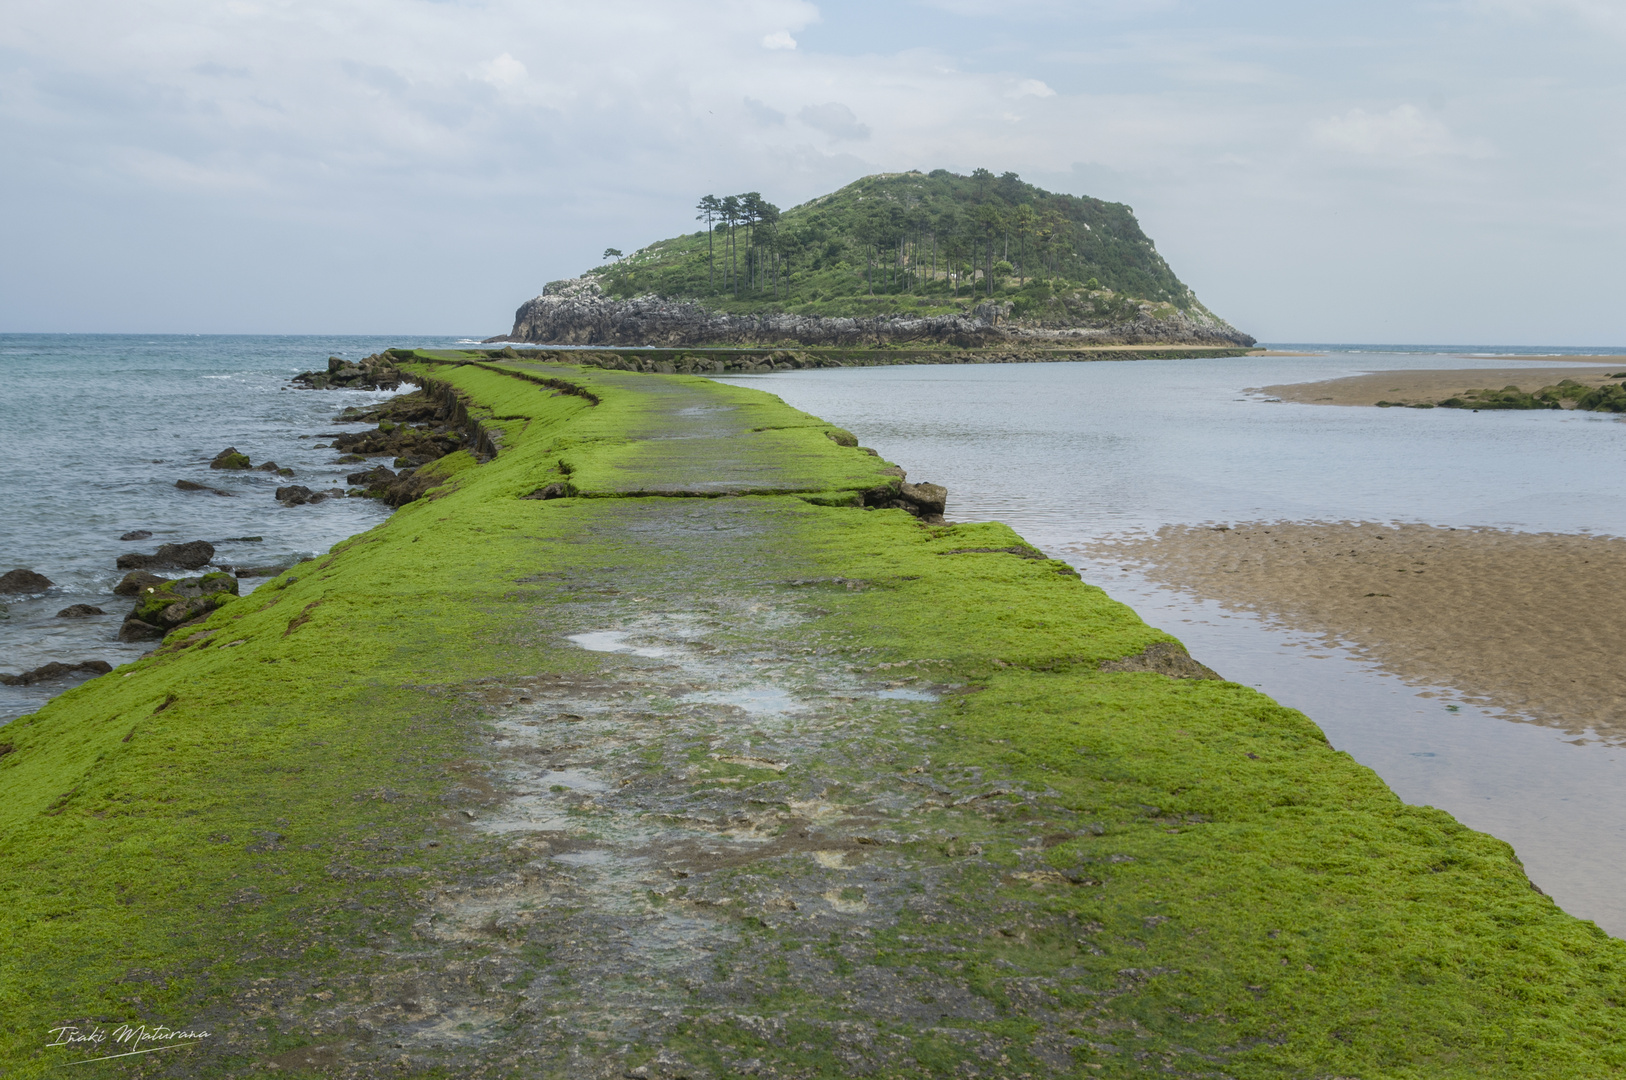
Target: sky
(1382,172)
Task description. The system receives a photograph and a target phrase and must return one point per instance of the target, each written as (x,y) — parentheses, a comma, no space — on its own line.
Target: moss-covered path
(703,770)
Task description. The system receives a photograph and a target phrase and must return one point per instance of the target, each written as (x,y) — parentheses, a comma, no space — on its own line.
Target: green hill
(915,243)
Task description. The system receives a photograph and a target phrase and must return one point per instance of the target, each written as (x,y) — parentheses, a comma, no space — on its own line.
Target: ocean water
(94,431)
(1071,452)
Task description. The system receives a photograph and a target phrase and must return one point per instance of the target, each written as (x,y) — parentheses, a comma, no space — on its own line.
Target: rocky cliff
(577,311)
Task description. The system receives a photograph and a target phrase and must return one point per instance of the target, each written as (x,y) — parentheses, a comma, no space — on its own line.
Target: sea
(97,429)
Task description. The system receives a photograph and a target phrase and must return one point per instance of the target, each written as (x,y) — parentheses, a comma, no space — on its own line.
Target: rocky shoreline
(577,312)
(414,430)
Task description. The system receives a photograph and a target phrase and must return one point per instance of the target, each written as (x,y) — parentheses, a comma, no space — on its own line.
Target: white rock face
(575,311)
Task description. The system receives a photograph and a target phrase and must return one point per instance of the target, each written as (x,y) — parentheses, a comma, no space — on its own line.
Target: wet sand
(1406,387)
(1528,623)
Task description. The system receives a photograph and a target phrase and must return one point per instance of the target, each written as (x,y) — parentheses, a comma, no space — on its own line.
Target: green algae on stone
(958,846)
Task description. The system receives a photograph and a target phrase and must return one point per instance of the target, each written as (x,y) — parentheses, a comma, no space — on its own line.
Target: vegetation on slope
(922,243)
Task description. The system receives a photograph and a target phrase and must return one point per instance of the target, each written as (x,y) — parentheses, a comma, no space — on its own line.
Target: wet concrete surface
(724,826)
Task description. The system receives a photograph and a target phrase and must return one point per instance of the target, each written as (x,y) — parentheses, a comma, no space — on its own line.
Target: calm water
(96,430)
(1069,452)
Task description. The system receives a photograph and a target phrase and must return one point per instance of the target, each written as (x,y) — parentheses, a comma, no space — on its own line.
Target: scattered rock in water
(297,495)
(413,426)
(377,475)
(188,556)
(23,581)
(164,607)
(300,495)
(79,611)
(137,534)
(259,571)
(376,372)
(135,630)
(192,485)
(229,458)
(273,467)
(135,581)
(55,670)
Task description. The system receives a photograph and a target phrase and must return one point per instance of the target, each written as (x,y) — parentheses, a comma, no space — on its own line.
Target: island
(973,267)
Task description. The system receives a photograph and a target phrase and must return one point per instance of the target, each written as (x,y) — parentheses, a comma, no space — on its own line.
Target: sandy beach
(1406,387)
(1528,623)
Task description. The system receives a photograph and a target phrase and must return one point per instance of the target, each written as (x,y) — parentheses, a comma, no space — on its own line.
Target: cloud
(779,39)
(1402,132)
(763,113)
(1607,15)
(1030,88)
(502,71)
(835,120)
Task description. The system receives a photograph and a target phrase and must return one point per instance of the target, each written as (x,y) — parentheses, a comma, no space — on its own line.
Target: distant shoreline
(1419,387)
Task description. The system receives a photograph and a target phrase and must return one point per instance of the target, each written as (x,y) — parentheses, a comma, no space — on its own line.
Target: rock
(928,499)
(260,571)
(376,372)
(172,603)
(273,467)
(576,312)
(135,630)
(378,474)
(23,581)
(1165,658)
(295,495)
(191,485)
(79,611)
(556,490)
(229,458)
(135,581)
(54,670)
(137,534)
(188,556)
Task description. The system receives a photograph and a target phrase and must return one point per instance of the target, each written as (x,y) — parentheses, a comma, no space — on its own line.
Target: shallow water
(1070,452)
(97,429)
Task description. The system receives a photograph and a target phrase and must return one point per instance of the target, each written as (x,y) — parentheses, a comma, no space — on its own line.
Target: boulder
(135,581)
(55,670)
(79,611)
(229,458)
(135,630)
(192,485)
(297,495)
(376,372)
(188,556)
(23,581)
(137,534)
(180,601)
(259,571)
(929,500)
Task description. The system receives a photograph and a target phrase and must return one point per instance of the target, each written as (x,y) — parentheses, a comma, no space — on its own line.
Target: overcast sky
(1449,172)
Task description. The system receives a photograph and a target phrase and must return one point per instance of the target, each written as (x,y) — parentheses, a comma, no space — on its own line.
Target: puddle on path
(711,783)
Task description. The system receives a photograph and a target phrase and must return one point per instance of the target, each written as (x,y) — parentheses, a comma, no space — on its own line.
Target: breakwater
(706,769)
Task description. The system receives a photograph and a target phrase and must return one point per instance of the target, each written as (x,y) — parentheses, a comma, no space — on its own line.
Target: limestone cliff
(578,311)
